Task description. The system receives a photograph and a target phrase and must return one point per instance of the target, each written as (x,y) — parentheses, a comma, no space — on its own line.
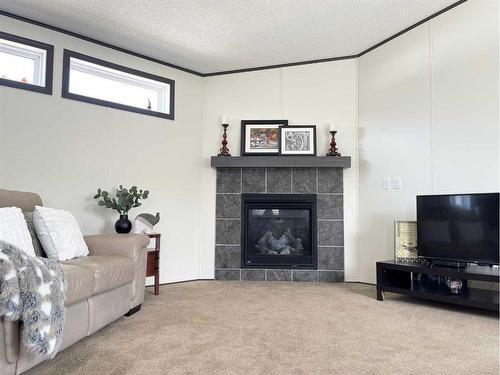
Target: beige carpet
(209,327)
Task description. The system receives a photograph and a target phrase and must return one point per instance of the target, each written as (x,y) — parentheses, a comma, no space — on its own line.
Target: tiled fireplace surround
(327,183)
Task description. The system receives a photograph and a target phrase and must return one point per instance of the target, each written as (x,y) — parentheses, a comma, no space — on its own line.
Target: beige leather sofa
(102,287)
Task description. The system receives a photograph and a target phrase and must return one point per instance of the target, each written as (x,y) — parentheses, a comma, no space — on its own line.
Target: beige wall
(311,94)
(65,150)
(428,112)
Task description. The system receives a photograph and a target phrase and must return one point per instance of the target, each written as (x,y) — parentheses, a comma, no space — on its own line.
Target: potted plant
(123,201)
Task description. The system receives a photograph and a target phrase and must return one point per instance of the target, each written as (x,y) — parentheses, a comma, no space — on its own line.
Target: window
(25,63)
(103,83)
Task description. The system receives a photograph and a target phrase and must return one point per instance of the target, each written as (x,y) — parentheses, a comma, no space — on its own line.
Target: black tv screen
(461,227)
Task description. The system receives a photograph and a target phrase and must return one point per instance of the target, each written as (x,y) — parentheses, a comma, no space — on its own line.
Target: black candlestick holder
(224,150)
(333,151)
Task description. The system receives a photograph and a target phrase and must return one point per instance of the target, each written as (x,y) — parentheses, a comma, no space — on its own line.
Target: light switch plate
(396,182)
(386,185)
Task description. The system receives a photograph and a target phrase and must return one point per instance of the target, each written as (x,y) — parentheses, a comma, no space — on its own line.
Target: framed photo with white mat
(298,140)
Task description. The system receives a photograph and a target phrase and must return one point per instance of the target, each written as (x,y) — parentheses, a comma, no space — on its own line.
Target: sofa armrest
(9,345)
(127,245)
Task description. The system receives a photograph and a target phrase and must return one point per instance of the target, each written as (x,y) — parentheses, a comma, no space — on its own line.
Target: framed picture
(405,241)
(298,140)
(261,137)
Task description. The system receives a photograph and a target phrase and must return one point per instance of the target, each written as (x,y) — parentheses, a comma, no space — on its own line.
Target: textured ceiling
(216,35)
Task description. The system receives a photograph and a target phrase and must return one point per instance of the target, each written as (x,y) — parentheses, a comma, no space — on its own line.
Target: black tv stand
(445,263)
(402,278)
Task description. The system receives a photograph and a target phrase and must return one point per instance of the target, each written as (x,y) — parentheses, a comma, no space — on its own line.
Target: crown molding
(224,72)
(95,41)
(411,27)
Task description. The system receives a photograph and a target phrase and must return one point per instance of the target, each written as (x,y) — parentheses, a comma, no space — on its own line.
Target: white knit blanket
(32,289)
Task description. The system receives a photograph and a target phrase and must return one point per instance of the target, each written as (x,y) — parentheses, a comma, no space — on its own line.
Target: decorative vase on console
(124,200)
(123,224)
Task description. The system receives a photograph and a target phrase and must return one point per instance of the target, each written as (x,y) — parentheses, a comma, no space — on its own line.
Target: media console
(403,278)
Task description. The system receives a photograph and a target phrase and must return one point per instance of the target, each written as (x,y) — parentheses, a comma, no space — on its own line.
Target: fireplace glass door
(279,230)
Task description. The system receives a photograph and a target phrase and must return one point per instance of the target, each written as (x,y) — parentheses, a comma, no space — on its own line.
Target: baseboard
(360,282)
(180,282)
(193,280)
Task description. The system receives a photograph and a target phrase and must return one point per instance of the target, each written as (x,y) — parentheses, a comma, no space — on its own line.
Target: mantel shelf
(280,161)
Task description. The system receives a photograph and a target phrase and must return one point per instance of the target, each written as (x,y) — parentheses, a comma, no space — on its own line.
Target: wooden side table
(153,262)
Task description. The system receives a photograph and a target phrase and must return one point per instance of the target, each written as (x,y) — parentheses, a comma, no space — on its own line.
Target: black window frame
(49,65)
(68,54)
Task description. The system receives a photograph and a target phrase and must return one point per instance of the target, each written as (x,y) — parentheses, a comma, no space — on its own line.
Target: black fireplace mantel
(280,162)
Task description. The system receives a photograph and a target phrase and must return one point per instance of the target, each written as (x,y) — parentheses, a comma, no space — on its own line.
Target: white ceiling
(215,35)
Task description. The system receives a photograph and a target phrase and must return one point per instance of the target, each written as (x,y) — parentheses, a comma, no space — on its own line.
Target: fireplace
(278,231)
(318,189)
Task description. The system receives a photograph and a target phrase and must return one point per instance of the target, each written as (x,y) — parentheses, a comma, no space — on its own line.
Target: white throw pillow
(13,229)
(59,233)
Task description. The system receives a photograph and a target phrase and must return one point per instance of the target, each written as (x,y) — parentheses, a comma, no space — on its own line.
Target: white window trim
(39,56)
(122,77)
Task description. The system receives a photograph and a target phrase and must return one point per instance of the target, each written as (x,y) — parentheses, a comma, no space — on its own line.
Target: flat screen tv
(459,227)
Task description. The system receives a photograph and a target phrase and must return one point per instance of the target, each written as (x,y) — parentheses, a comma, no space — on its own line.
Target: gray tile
(228,206)
(253,275)
(227,256)
(254,180)
(279,180)
(330,233)
(330,258)
(330,206)
(279,275)
(304,180)
(330,180)
(229,180)
(309,276)
(224,274)
(331,276)
(227,232)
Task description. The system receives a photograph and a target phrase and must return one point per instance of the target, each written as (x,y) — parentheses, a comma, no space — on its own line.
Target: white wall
(2,151)
(65,150)
(310,94)
(465,122)
(428,112)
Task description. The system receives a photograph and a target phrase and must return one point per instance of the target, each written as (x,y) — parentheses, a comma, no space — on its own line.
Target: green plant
(124,199)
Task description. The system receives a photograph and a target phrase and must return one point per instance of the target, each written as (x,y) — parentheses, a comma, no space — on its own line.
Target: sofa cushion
(80,283)
(25,201)
(39,252)
(110,271)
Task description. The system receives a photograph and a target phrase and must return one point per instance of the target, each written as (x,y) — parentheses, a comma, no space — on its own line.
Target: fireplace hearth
(278,231)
